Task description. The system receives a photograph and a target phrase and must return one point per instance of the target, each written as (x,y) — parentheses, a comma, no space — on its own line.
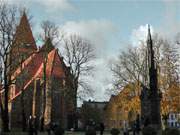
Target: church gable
(34,69)
(58,66)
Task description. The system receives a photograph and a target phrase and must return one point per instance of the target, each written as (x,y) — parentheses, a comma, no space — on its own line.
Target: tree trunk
(75,86)
(5,111)
(23,115)
(44,96)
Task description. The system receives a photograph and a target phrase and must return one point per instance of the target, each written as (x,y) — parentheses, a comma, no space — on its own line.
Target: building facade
(41,82)
(92,111)
(122,109)
(174,120)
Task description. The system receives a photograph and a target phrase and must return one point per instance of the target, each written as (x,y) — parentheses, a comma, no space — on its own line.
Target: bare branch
(52,32)
(131,67)
(79,54)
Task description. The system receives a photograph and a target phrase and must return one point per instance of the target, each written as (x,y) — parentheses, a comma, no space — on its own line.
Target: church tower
(24,44)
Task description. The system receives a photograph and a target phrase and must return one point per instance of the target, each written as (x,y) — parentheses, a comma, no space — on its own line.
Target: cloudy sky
(110,25)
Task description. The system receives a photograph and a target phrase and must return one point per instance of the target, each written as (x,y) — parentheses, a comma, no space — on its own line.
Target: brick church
(42,82)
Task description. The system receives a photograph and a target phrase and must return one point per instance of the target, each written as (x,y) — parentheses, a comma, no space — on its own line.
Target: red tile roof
(58,66)
(34,66)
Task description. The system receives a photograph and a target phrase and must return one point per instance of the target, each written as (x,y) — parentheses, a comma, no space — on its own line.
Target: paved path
(45,133)
(66,133)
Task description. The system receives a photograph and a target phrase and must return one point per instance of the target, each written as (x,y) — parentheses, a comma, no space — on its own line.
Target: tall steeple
(155,97)
(24,37)
(150,49)
(24,44)
(151,63)
(149,34)
(150,95)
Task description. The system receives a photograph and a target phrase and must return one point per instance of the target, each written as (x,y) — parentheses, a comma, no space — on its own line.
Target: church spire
(149,34)
(24,44)
(150,49)
(23,36)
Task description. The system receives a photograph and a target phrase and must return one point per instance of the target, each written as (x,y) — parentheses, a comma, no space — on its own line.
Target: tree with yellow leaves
(131,68)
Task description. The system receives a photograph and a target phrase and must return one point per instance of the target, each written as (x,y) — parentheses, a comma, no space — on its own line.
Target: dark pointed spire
(152,100)
(24,36)
(149,39)
(150,49)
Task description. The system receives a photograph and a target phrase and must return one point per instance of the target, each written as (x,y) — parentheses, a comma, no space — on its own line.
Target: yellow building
(122,108)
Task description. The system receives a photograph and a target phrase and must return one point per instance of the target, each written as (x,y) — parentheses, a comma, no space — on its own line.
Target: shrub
(90,131)
(58,130)
(171,131)
(114,131)
(149,131)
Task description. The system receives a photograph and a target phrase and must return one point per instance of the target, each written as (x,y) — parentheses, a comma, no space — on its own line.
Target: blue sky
(111,25)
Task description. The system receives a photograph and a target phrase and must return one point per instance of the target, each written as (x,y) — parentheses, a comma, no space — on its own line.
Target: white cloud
(57,5)
(98,32)
(140,35)
(47,5)
(102,78)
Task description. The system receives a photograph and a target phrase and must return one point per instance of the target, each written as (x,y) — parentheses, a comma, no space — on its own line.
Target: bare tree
(45,58)
(169,63)
(131,66)
(7,31)
(79,54)
(51,31)
(20,82)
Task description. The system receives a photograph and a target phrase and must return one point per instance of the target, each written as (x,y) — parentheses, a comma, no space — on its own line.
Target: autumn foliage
(126,105)
(171,99)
